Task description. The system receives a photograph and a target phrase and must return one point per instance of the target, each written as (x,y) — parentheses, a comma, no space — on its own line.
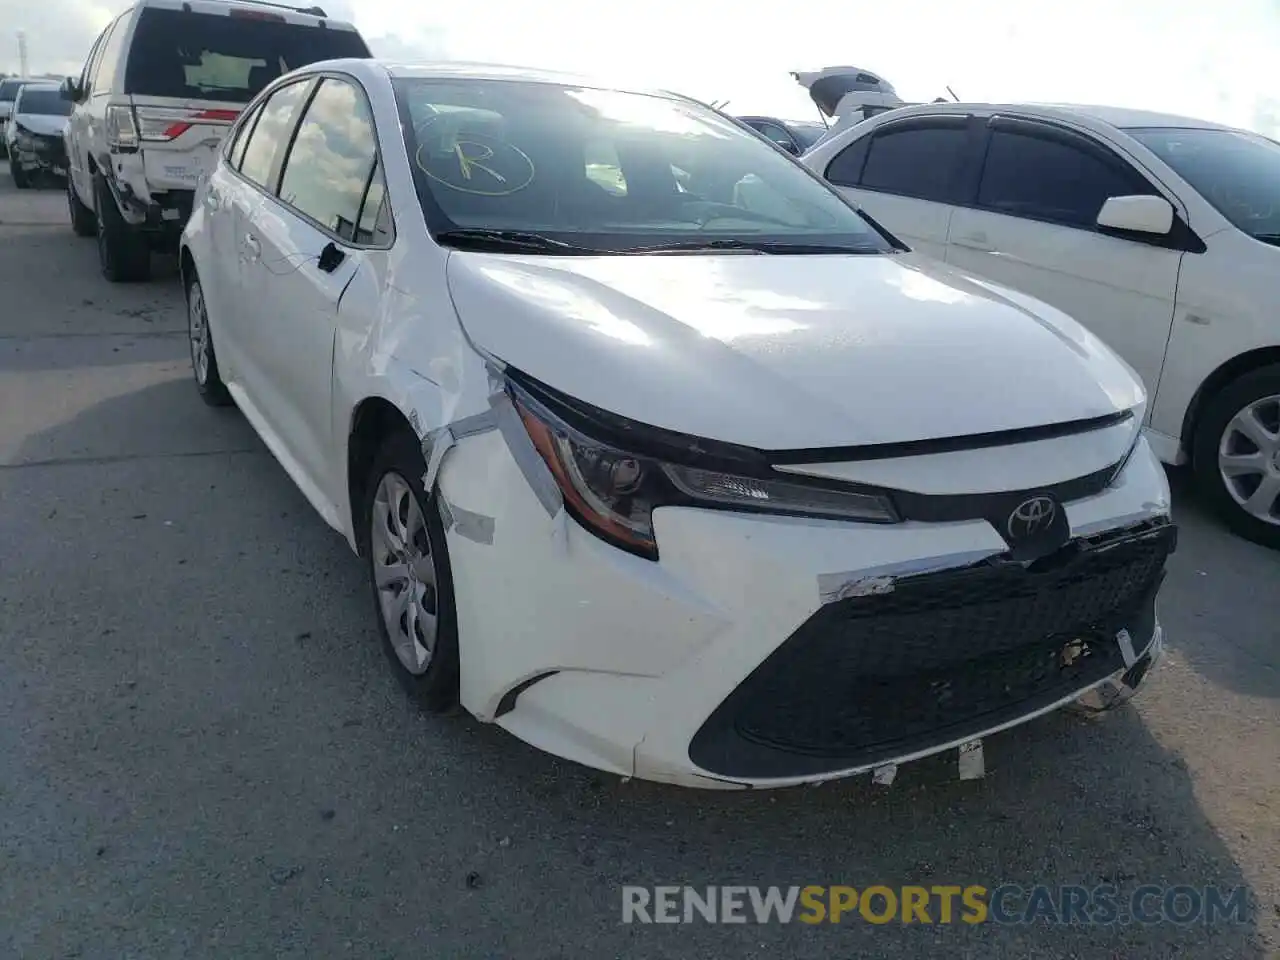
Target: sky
(1211,60)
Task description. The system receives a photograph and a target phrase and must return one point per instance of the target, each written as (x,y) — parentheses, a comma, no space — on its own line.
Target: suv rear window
(9,90)
(205,56)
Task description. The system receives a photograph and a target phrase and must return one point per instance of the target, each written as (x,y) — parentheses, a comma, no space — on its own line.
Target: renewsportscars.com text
(937,904)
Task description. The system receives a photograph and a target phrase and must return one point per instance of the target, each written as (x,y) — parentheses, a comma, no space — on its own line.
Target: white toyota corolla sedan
(660,455)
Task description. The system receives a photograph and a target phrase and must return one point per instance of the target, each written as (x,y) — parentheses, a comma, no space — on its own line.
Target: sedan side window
(1047,177)
(271,133)
(333,163)
(916,160)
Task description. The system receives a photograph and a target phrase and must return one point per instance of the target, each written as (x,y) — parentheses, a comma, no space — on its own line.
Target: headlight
(25,140)
(613,473)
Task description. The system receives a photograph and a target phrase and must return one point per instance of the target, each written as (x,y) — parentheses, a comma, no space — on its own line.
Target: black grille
(943,656)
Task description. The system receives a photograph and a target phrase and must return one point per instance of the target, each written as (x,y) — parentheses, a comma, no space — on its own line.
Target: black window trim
(242,130)
(928,121)
(89,73)
(1180,237)
(277,170)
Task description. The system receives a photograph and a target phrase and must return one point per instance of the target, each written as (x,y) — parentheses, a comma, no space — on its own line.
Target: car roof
(1119,117)
(312,14)
(453,70)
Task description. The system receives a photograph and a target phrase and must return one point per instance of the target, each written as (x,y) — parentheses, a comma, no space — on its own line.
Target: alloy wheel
(404,572)
(198,327)
(1249,459)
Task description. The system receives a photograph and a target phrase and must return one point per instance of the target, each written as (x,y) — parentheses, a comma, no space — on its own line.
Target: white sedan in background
(672,477)
(1160,234)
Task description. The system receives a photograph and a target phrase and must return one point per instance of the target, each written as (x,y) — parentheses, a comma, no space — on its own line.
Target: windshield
(46,101)
(609,171)
(9,90)
(206,56)
(1239,173)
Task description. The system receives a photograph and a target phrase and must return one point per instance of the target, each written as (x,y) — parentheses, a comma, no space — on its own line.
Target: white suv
(161,86)
(1160,234)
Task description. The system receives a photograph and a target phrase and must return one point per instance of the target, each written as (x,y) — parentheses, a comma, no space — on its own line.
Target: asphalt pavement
(203,752)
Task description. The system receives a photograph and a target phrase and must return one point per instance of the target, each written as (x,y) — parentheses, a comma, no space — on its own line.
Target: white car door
(906,175)
(313,237)
(236,194)
(224,198)
(1033,227)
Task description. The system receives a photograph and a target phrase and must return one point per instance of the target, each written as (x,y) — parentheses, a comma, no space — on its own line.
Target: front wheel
(20,178)
(410,575)
(1236,455)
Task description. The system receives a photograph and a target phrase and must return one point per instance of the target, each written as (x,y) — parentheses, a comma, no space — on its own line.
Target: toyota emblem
(1031,517)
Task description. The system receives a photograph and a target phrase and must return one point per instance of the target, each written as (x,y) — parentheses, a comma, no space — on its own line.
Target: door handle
(975,241)
(253,246)
(211,199)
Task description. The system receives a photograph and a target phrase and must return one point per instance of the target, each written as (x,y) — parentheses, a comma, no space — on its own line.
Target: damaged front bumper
(703,668)
(39,155)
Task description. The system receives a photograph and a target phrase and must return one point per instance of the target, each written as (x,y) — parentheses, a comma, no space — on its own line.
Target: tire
(1253,464)
(398,468)
(83,220)
(123,252)
(204,362)
(20,178)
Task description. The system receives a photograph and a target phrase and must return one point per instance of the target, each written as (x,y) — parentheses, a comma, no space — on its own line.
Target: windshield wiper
(1271,238)
(751,246)
(509,241)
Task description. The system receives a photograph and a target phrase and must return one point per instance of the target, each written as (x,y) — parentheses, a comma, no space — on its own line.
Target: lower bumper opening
(942,657)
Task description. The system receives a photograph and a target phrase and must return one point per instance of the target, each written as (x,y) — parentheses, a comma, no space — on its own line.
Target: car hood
(41,123)
(789,352)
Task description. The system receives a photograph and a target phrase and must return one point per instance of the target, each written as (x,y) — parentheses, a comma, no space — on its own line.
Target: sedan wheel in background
(1237,455)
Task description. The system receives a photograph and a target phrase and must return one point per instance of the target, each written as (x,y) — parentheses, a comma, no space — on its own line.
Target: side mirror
(1139,214)
(70,90)
(788,146)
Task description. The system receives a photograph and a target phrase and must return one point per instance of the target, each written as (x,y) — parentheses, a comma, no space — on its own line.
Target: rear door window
(271,133)
(333,161)
(205,56)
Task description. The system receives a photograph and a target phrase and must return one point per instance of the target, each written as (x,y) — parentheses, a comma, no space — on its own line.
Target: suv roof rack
(309,11)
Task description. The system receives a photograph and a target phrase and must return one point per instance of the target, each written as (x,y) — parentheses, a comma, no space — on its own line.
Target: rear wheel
(410,575)
(123,251)
(83,221)
(1236,455)
(204,362)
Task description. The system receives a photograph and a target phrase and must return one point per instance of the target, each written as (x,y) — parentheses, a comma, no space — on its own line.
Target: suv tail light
(162,124)
(122,129)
